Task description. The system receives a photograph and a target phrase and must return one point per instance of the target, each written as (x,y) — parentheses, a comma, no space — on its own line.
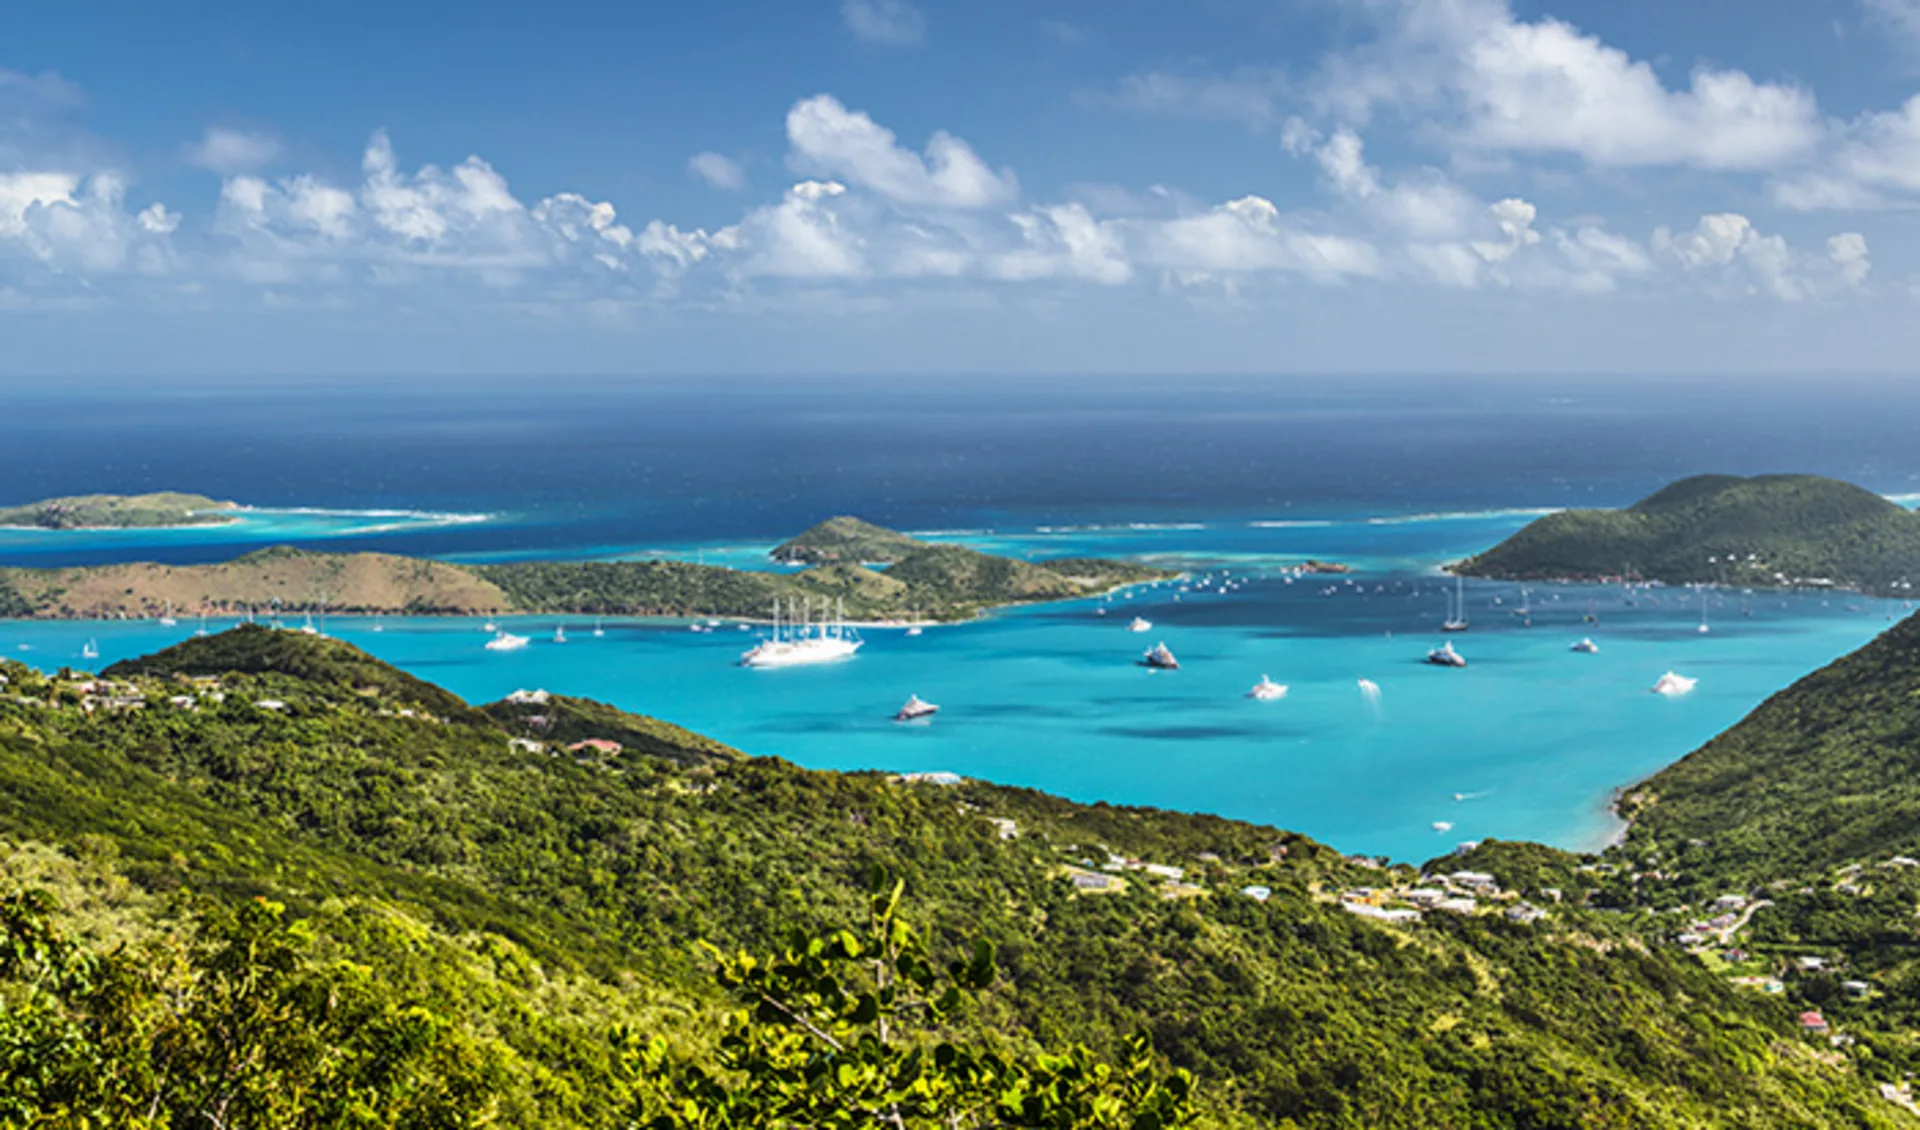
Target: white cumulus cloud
(830,140)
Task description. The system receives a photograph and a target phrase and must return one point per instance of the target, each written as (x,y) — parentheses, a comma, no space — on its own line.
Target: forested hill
(1767,530)
(940,582)
(490,917)
(1823,773)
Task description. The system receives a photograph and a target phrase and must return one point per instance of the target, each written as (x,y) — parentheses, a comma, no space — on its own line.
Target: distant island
(120,512)
(1768,530)
(921,581)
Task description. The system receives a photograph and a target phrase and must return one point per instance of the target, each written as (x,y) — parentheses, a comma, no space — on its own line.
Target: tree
(842,1030)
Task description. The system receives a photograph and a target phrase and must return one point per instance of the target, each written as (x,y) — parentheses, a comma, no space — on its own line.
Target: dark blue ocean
(1231,479)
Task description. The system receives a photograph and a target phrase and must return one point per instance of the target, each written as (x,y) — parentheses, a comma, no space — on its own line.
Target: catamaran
(1457,608)
(1445,656)
(916,709)
(803,642)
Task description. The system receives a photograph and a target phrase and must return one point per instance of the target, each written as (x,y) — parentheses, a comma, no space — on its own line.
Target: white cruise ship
(803,642)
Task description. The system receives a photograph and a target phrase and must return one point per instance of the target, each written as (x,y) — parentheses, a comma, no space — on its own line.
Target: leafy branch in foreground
(841,1030)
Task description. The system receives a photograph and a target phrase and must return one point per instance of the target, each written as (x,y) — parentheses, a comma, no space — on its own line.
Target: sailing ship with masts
(799,639)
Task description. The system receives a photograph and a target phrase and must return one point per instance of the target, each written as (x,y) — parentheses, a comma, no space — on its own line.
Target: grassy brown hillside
(297,581)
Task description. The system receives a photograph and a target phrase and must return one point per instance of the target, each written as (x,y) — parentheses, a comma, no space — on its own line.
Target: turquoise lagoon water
(1527,742)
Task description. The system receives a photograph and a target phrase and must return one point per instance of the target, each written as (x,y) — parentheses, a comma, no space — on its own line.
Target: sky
(1305,187)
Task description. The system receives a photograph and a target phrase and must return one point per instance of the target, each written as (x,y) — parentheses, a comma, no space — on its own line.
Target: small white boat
(1370,689)
(1445,656)
(1673,685)
(598,630)
(202,629)
(1140,625)
(507,641)
(90,650)
(1443,826)
(1587,647)
(913,631)
(490,626)
(712,623)
(916,709)
(307,629)
(166,619)
(1160,657)
(1266,690)
(560,634)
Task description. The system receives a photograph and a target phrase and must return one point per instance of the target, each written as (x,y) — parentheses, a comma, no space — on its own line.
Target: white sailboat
(1457,607)
(560,633)
(202,629)
(1701,592)
(166,618)
(598,630)
(90,650)
(805,642)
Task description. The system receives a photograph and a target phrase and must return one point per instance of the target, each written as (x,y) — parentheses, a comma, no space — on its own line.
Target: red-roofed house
(1813,1022)
(597,745)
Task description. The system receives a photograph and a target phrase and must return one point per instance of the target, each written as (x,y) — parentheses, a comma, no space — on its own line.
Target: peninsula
(923,581)
(1769,530)
(120,512)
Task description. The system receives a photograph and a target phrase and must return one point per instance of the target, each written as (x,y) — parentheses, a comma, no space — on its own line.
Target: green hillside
(1766,530)
(117,511)
(849,541)
(1821,774)
(930,581)
(510,919)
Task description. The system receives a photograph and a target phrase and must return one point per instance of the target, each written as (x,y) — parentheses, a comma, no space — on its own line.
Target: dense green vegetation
(935,581)
(845,540)
(1766,530)
(116,511)
(928,581)
(562,720)
(522,922)
(1824,773)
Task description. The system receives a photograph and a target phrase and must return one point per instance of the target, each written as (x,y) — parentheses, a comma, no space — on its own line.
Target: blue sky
(1288,186)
